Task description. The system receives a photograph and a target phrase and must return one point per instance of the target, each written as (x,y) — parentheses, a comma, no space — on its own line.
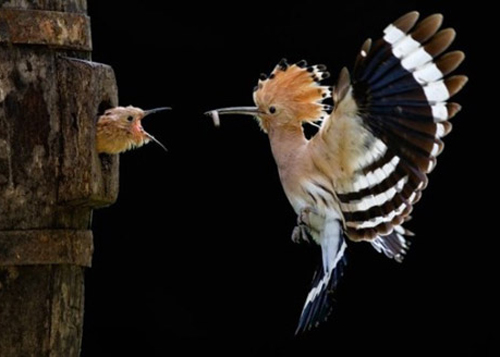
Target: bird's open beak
(152,138)
(156,110)
(214,114)
(152,111)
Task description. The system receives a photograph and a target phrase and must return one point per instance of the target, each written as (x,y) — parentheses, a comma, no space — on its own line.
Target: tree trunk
(50,174)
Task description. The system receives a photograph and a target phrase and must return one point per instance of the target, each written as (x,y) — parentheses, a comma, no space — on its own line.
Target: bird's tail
(318,305)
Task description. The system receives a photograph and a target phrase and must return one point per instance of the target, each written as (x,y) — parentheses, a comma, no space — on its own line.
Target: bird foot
(302,232)
(304,216)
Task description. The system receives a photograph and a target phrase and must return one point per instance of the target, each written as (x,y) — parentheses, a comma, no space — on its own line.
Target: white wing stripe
(326,278)
(435,150)
(436,92)
(374,200)
(371,179)
(428,73)
(439,112)
(418,58)
(372,223)
(393,34)
(415,59)
(440,130)
(405,47)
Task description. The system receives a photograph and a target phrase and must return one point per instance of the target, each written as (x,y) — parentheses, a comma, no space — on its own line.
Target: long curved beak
(152,138)
(214,114)
(152,111)
(156,110)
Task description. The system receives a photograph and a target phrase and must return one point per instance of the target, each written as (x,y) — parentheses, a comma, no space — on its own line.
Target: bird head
(120,129)
(290,95)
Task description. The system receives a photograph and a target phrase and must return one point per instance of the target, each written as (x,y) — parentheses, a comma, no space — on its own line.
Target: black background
(195,257)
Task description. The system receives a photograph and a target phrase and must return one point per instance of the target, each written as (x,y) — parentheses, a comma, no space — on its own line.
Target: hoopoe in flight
(120,129)
(359,176)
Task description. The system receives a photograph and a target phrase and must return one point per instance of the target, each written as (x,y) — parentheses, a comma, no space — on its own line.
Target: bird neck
(286,140)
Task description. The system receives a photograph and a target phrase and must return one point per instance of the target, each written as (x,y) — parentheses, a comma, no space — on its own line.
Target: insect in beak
(214,114)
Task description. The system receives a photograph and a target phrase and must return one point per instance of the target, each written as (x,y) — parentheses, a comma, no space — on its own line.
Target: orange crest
(294,92)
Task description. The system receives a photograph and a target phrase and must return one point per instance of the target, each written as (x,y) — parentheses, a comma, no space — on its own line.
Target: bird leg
(303,230)
(301,234)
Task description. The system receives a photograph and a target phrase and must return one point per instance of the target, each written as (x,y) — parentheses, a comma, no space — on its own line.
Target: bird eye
(272,110)
(130,118)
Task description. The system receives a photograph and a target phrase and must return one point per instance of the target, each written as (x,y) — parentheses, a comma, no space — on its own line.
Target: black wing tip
(403,87)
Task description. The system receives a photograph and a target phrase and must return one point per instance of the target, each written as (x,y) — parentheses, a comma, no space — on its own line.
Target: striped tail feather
(319,302)
(401,86)
(393,245)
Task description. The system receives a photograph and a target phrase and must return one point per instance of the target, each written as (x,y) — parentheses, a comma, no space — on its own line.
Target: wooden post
(50,175)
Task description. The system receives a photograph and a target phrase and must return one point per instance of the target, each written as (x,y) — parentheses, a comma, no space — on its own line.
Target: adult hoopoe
(359,176)
(120,129)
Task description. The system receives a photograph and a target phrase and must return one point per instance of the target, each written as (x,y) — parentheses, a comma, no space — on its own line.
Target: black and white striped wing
(399,91)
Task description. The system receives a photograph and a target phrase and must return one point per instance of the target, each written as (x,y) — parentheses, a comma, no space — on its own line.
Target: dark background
(195,257)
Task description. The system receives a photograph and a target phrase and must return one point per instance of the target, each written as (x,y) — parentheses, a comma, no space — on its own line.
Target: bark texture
(50,174)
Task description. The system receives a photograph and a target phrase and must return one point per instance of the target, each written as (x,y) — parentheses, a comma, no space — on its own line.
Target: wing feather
(396,110)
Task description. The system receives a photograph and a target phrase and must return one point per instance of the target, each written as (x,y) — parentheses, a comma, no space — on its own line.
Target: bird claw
(302,232)
(303,216)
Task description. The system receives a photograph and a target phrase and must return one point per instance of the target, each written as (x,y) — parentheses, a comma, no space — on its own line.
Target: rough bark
(41,310)
(50,175)
(50,5)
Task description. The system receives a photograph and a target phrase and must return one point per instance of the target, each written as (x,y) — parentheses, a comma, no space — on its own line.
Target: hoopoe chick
(120,129)
(359,176)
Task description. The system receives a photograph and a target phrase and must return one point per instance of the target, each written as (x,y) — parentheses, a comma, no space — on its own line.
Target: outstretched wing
(387,125)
